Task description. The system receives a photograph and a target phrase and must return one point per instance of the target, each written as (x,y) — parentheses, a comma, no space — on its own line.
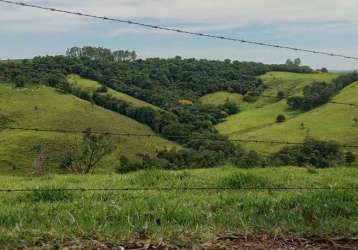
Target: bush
(230,107)
(102,89)
(249,160)
(84,157)
(127,166)
(312,152)
(280,118)
(280,95)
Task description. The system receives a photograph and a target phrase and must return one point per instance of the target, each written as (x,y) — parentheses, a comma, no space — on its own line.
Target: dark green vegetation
(40,216)
(319,93)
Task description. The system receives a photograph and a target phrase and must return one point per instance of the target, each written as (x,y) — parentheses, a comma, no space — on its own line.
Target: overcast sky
(330,25)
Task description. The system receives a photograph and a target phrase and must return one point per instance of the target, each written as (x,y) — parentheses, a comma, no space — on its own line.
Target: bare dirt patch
(222,242)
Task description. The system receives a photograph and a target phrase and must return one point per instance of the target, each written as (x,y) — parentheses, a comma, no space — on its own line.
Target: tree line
(319,93)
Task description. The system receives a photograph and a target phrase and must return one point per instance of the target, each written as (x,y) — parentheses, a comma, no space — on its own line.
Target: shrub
(313,152)
(84,157)
(230,107)
(102,89)
(280,95)
(249,160)
(280,118)
(127,165)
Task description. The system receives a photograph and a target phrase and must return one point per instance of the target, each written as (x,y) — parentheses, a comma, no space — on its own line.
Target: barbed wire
(160,136)
(181,189)
(182,31)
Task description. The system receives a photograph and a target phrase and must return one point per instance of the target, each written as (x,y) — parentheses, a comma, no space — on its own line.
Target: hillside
(330,121)
(91,85)
(45,108)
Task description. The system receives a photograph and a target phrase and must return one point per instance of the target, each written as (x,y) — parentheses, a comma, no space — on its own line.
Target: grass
(91,85)
(45,108)
(328,122)
(35,217)
(219,98)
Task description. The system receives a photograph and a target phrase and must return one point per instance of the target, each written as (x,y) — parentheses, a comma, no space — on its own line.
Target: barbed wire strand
(170,189)
(159,136)
(182,31)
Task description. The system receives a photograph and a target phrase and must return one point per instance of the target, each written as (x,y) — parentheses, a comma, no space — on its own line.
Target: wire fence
(179,189)
(181,31)
(161,136)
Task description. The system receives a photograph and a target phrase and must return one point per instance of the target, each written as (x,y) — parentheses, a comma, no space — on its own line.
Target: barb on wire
(182,31)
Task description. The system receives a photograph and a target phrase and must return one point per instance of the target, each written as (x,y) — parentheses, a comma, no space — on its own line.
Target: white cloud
(286,18)
(215,13)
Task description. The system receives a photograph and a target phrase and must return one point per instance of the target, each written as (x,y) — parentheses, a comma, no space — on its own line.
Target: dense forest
(174,85)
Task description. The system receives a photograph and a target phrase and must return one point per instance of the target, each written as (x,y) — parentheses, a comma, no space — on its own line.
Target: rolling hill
(258,122)
(46,108)
(91,85)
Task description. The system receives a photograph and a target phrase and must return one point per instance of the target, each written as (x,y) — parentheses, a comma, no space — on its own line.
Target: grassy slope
(219,98)
(44,107)
(176,214)
(330,121)
(258,121)
(91,85)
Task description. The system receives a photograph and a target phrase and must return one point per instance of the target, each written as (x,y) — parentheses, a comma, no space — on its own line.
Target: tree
(20,81)
(280,118)
(230,107)
(324,70)
(295,102)
(314,95)
(289,62)
(321,154)
(297,62)
(83,158)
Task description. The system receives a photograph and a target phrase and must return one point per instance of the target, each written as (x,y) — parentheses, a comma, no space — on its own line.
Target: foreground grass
(43,215)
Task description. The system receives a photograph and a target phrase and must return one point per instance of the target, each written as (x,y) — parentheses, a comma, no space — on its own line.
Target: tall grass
(119,215)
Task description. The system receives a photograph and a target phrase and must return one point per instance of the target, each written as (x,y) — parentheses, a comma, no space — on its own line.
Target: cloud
(323,25)
(215,14)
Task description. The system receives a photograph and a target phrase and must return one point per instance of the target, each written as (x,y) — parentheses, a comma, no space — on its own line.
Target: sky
(330,25)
